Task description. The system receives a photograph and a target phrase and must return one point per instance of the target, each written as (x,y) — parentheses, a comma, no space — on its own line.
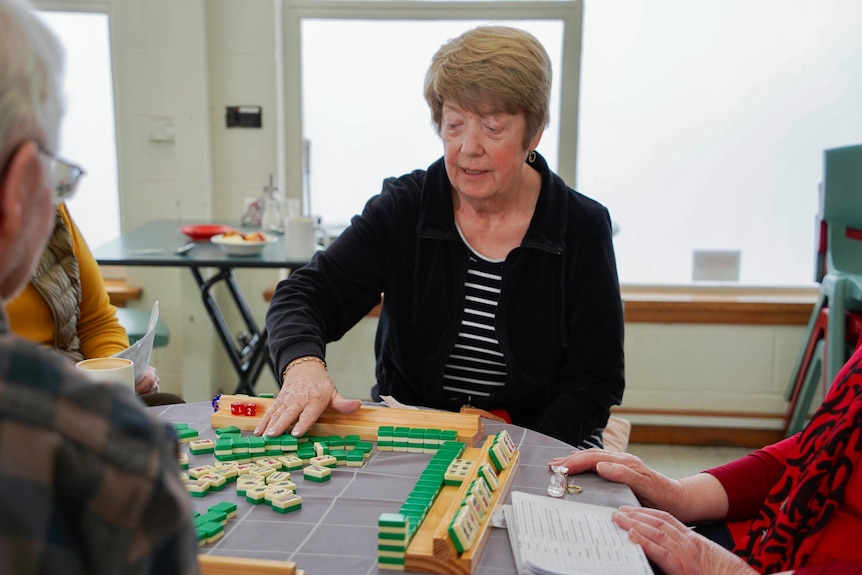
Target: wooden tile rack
(431,550)
(363,422)
(223,565)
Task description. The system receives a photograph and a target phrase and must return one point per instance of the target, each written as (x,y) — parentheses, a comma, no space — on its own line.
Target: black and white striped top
(476,366)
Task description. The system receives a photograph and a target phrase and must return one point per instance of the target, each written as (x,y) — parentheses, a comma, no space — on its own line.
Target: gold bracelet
(303,360)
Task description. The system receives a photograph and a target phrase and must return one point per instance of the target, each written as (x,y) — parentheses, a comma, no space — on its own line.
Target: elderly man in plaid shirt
(89,482)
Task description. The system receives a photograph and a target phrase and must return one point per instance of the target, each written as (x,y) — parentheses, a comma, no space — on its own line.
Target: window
(373,121)
(88,131)
(703,126)
(363,108)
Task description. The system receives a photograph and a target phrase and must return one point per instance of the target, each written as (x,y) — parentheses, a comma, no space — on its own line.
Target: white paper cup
(116,369)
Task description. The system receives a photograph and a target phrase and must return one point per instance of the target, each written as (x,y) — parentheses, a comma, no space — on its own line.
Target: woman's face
(484,154)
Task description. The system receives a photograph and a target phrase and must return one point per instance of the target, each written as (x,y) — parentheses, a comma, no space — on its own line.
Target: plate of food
(242,244)
(205,231)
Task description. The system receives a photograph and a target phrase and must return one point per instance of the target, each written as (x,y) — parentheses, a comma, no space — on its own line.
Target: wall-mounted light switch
(160,129)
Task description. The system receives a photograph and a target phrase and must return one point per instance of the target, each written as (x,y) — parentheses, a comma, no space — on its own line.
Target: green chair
(813,375)
(136,321)
(840,286)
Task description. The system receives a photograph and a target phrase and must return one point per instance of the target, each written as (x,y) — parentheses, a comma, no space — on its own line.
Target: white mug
(300,237)
(116,369)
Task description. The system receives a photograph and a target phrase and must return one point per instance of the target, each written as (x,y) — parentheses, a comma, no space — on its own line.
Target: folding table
(210,266)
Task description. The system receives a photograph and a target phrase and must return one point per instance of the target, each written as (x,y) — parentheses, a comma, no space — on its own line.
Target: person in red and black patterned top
(89,481)
(791,507)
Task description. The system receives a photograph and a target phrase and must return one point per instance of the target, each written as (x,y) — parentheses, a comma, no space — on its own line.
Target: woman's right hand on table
(306,392)
(675,548)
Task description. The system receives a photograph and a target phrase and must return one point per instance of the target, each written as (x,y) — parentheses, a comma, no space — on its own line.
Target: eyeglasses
(65,176)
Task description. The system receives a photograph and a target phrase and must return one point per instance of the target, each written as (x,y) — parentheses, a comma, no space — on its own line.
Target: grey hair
(31,70)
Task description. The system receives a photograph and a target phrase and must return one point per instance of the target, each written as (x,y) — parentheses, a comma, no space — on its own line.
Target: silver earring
(531,157)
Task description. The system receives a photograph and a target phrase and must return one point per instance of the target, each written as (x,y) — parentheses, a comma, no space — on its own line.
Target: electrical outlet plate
(716,265)
(160,129)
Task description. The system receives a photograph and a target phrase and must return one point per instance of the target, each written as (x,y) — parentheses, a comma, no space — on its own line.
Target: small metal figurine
(557,484)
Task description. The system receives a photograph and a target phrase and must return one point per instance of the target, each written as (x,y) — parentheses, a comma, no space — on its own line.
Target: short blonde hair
(492,69)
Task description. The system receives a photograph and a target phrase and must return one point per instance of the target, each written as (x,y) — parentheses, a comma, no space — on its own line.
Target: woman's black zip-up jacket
(559,318)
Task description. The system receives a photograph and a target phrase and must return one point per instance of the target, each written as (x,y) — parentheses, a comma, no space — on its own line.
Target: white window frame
(570,12)
(95,7)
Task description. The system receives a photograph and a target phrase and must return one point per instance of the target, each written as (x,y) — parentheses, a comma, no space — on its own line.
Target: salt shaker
(557,484)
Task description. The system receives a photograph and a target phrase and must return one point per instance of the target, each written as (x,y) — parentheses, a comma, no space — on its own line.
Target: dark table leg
(252,354)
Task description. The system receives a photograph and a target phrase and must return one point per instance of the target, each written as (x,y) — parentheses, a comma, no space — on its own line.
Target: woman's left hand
(675,548)
(652,488)
(149,382)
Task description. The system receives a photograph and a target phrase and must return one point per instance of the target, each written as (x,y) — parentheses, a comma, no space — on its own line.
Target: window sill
(719,304)
(708,304)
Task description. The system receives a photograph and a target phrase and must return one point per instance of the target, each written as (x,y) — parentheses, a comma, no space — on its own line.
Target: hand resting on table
(660,527)
(698,497)
(306,392)
(675,548)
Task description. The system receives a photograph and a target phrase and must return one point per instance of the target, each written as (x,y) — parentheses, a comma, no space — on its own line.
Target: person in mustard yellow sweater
(66,306)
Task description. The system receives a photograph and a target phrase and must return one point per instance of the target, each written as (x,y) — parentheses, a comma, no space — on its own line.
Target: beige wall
(186,60)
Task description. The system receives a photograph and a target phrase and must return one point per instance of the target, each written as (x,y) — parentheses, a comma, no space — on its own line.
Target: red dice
(243,408)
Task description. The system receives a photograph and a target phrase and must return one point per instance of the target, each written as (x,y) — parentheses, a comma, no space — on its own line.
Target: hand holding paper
(141,351)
